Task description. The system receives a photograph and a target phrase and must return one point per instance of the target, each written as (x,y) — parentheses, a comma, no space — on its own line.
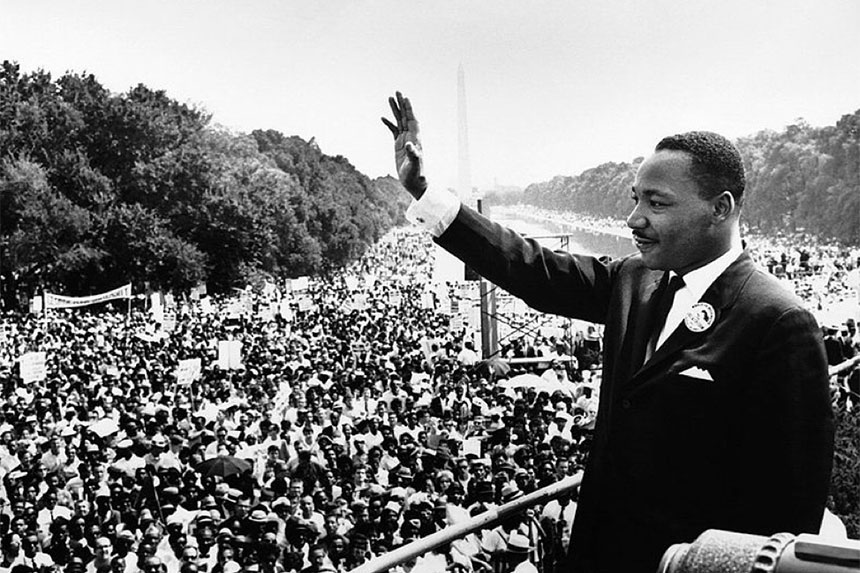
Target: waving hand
(407,145)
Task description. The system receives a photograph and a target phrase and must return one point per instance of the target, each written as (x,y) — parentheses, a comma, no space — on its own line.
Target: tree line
(801,179)
(98,189)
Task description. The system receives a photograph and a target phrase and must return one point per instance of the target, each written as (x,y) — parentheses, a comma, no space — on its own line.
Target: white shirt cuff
(435,211)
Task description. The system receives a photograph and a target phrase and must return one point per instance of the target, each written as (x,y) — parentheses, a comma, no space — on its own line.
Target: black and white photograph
(466,286)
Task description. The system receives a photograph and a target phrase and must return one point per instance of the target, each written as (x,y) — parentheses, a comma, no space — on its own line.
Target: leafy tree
(43,232)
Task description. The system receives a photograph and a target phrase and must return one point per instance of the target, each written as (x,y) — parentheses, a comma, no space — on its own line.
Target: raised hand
(407,145)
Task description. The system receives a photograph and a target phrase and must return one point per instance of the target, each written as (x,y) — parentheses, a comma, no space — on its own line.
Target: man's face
(104,548)
(296,489)
(307,505)
(31,542)
(673,227)
(83,507)
(189,554)
(317,558)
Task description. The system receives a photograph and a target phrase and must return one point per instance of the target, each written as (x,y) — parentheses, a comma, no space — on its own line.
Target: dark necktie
(664,304)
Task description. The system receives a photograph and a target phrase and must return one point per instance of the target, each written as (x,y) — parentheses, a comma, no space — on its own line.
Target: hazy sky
(553,87)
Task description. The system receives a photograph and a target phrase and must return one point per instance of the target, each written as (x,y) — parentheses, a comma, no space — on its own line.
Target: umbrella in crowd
(223,466)
(494,366)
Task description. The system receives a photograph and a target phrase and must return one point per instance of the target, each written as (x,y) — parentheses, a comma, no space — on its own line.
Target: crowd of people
(358,419)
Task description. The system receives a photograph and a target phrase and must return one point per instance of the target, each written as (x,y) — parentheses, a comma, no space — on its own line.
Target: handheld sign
(188,371)
(229,355)
(33,367)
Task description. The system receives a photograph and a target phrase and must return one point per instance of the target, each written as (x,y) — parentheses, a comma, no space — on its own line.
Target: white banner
(60,301)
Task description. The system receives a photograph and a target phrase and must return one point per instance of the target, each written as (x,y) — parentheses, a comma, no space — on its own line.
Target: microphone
(717,551)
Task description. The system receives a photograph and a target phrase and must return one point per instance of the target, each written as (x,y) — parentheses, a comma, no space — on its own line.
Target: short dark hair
(716,163)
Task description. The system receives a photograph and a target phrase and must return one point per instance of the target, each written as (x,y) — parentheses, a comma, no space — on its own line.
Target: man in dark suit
(714,405)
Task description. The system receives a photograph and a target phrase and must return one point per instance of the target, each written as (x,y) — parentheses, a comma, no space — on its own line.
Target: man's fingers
(404,116)
(394,108)
(406,106)
(394,131)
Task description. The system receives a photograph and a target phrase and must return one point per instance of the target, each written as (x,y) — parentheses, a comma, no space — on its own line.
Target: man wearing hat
(517,554)
(482,498)
(159,456)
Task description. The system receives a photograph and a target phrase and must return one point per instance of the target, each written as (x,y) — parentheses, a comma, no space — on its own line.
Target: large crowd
(356,418)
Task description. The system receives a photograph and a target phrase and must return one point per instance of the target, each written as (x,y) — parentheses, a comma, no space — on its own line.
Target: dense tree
(43,232)
(98,189)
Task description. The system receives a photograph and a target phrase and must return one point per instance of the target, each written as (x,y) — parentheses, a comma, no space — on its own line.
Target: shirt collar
(697,281)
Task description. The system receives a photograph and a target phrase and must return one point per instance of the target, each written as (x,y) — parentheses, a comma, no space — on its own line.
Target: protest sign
(427,301)
(359,302)
(299,284)
(230,355)
(168,323)
(471,446)
(188,371)
(33,367)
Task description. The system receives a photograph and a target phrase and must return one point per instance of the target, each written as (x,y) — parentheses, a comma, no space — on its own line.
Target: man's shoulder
(769,294)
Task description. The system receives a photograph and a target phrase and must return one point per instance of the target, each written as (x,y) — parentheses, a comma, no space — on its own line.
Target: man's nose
(636,220)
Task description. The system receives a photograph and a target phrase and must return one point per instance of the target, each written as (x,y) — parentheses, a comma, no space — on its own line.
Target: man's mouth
(643,242)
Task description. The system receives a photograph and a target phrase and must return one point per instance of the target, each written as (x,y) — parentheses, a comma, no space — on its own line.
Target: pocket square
(698,373)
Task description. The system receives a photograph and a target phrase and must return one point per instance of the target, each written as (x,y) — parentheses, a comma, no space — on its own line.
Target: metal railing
(485,520)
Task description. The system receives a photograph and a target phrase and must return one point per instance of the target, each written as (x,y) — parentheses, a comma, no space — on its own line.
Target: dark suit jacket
(674,455)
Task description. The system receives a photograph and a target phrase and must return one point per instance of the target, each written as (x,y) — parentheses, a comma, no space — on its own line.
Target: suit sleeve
(786,431)
(556,282)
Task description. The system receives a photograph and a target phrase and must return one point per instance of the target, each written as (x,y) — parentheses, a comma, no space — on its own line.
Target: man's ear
(724,206)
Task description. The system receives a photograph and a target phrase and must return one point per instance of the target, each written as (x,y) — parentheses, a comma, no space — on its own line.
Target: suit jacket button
(625,403)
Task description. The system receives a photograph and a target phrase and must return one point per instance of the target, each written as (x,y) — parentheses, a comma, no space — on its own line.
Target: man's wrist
(434,211)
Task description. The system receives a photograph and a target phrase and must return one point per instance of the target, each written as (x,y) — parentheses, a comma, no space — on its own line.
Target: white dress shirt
(696,282)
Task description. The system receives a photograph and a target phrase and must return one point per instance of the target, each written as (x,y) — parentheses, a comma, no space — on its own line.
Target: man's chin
(651,259)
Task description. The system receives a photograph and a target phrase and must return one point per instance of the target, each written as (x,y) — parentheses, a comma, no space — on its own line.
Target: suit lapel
(639,325)
(719,295)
